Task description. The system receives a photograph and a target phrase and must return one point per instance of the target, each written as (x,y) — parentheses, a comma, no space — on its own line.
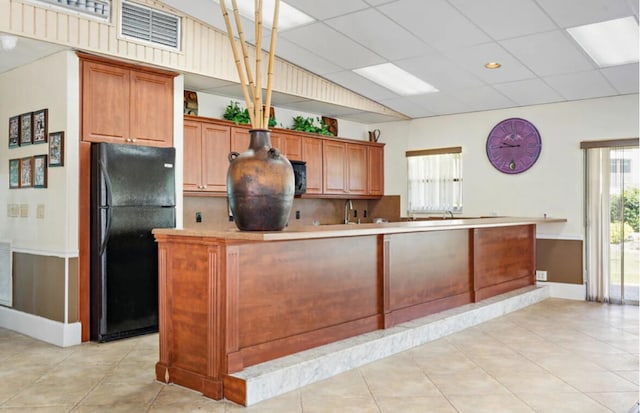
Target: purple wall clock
(513,145)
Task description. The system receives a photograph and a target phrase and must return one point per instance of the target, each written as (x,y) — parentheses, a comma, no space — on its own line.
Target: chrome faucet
(444,215)
(348,207)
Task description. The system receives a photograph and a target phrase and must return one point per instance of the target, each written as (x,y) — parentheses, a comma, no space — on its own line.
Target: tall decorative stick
(245,52)
(243,82)
(272,46)
(253,91)
(258,96)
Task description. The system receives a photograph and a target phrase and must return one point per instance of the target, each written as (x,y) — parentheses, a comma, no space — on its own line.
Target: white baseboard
(54,332)
(565,290)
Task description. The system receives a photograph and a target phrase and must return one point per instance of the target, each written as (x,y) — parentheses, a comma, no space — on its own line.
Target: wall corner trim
(54,332)
(565,290)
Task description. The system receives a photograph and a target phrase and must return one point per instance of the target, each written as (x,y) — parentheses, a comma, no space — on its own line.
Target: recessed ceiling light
(396,79)
(288,17)
(609,43)
(492,65)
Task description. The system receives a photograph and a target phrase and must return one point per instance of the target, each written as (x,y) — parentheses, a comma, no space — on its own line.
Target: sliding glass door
(612,221)
(624,231)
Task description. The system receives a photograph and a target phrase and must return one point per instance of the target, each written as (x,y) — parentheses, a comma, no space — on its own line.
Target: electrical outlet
(40,211)
(297,214)
(541,275)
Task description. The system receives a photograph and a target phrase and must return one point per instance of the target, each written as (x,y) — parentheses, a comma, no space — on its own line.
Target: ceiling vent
(97,8)
(144,23)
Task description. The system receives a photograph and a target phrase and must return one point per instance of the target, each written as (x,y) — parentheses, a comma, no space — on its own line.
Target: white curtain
(435,183)
(598,166)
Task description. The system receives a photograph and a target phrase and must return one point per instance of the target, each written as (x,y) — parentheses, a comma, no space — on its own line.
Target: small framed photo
(26,128)
(26,172)
(40,126)
(14,173)
(14,131)
(56,149)
(40,171)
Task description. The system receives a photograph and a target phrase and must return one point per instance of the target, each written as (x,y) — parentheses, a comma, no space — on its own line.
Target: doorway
(612,221)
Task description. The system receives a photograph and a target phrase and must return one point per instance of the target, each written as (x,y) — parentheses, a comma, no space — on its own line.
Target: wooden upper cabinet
(206,151)
(357,169)
(192,149)
(312,155)
(239,139)
(288,145)
(123,103)
(334,165)
(151,109)
(376,170)
(216,145)
(105,102)
(345,168)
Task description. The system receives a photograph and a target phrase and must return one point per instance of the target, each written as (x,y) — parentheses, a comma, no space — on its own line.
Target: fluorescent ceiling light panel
(288,18)
(396,79)
(609,43)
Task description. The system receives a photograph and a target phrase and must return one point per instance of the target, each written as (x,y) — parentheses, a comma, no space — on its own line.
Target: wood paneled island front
(232,299)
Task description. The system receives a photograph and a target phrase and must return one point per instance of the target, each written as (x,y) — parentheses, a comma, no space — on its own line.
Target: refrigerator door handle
(106,208)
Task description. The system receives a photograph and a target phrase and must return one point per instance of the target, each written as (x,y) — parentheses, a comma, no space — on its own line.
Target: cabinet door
(376,170)
(278,142)
(312,155)
(105,103)
(357,169)
(239,139)
(216,145)
(151,109)
(192,168)
(293,147)
(334,166)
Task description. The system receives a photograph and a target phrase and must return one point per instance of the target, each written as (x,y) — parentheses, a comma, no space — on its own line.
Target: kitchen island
(232,299)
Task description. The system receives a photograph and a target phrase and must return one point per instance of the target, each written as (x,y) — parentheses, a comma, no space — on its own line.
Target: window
(434,180)
(98,8)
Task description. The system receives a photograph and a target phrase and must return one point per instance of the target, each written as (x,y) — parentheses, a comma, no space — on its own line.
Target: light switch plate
(24,210)
(40,211)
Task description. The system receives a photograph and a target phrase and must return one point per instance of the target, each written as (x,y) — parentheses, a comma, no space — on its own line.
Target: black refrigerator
(132,192)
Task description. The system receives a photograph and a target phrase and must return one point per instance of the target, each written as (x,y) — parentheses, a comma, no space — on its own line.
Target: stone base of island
(230,299)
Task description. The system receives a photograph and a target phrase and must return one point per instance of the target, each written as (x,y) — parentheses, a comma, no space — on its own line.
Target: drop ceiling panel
(529,92)
(482,98)
(436,22)
(333,46)
(411,109)
(327,9)
(360,85)
(503,19)
(582,85)
(440,72)
(570,13)
(304,58)
(377,32)
(474,58)
(549,53)
(624,78)
(440,103)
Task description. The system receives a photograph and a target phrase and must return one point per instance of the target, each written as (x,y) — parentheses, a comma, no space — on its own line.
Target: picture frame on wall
(56,149)
(26,128)
(40,171)
(40,121)
(26,172)
(14,173)
(14,131)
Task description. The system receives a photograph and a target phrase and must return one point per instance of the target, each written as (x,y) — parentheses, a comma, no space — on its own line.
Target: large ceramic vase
(260,185)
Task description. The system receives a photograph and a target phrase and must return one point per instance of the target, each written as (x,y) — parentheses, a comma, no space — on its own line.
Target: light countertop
(354,230)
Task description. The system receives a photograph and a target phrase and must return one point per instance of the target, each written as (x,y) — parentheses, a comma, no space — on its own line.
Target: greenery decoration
(234,113)
(303,124)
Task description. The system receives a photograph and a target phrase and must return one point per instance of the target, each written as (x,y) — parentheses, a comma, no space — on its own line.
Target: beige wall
(51,83)
(554,185)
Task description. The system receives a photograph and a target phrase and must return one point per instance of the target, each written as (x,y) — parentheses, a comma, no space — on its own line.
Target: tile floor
(555,356)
